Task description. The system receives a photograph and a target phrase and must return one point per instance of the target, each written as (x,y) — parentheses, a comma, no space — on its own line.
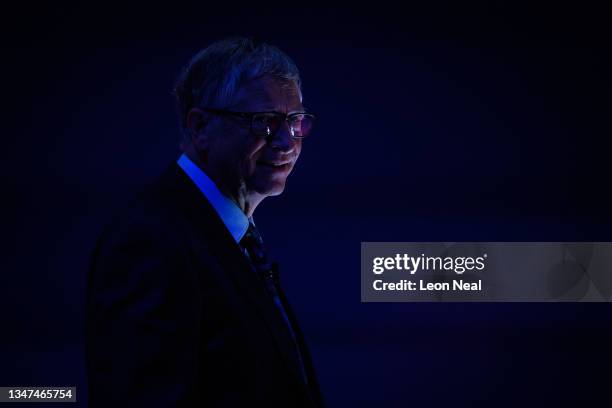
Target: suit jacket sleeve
(142,327)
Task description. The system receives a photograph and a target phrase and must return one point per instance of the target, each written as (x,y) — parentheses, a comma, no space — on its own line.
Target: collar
(232,216)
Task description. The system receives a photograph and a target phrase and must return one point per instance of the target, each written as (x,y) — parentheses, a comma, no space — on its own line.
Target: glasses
(266,124)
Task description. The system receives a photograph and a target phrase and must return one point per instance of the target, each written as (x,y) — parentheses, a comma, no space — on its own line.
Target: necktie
(268,272)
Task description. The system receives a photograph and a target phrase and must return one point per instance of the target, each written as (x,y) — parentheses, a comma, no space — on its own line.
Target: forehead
(268,94)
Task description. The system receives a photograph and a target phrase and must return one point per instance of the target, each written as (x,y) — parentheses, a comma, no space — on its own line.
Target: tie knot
(253,243)
(254,246)
(252,234)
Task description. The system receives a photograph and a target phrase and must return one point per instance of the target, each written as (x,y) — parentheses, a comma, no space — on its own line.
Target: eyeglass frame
(251,115)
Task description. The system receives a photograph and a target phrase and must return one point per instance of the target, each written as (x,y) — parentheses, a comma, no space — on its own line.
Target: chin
(270,189)
(276,190)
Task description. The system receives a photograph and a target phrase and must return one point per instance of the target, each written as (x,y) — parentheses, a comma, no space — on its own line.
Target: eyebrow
(272,109)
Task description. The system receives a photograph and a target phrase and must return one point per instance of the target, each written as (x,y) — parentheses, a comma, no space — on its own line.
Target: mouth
(273,165)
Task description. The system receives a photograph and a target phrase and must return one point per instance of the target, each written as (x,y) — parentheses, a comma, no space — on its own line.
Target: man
(184,308)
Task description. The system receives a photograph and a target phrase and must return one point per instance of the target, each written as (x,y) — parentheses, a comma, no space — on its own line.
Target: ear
(196,123)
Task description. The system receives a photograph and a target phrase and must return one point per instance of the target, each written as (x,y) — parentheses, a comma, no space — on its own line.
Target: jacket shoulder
(155,209)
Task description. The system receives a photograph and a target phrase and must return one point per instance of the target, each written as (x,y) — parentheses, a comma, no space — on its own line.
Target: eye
(301,124)
(295,118)
(266,124)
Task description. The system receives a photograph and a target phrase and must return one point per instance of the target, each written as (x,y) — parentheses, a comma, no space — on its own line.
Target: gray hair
(214,74)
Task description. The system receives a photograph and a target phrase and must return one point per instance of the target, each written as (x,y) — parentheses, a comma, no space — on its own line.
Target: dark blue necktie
(268,272)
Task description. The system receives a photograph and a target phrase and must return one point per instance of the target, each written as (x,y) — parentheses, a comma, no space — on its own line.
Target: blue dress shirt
(232,216)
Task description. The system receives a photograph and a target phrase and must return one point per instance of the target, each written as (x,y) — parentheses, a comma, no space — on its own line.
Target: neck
(246,200)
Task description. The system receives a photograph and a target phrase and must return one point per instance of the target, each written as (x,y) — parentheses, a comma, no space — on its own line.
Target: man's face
(250,163)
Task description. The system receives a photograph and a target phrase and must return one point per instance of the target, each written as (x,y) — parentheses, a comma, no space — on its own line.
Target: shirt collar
(232,216)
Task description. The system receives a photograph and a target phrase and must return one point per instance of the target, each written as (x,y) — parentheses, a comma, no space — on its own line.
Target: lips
(274,164)
(275,167)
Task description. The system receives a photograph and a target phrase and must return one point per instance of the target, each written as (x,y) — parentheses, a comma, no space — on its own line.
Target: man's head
(248,156)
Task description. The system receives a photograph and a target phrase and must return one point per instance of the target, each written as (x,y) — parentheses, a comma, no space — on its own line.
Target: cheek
(298,148)
(253,152)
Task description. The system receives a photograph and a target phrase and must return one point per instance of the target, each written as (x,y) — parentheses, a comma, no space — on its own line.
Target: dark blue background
(442,122)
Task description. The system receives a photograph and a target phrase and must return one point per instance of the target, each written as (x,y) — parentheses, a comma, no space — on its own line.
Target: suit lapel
(205,219)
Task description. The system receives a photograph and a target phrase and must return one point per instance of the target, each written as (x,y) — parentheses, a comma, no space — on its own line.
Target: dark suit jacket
(176,317)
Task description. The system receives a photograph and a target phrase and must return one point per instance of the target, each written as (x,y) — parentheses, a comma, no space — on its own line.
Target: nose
(283,140)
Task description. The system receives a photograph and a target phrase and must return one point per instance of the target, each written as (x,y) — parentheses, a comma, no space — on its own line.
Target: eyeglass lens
(268,124)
